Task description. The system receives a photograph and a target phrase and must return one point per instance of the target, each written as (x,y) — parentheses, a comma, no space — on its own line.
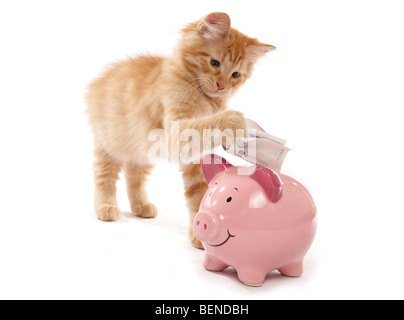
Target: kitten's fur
(144,93)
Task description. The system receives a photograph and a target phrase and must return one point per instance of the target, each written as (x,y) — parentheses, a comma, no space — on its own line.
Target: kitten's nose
(220,86)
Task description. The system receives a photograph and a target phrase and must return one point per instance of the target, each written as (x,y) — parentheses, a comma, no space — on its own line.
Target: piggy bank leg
(213,264)
(252,277)
(294,269)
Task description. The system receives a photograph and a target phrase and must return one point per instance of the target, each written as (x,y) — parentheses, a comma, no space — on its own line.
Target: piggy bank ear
(270,181)
(212,164)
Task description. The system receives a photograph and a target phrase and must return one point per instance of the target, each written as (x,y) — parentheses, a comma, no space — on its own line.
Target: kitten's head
(217,56)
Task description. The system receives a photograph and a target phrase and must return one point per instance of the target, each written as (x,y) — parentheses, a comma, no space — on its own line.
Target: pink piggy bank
(255,223)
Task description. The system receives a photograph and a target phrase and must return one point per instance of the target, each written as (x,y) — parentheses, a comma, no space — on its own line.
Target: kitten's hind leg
(136,177)
(106,171)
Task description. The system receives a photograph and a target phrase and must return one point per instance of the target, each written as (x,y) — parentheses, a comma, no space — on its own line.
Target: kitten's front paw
(108,213)
(232,125)
(233,120)
(148,210)
(196,243)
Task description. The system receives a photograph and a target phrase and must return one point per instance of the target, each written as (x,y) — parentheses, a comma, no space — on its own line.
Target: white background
(333,89)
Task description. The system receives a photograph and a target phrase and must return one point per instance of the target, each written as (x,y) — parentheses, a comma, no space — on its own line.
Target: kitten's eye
(235,75)
(229,199)
(215,63)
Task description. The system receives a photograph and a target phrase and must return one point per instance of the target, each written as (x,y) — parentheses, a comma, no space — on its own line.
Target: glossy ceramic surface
(255,220)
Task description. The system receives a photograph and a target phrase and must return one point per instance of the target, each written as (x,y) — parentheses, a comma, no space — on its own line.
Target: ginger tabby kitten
(210,62)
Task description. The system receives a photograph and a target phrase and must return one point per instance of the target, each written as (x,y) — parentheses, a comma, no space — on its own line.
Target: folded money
(260,148)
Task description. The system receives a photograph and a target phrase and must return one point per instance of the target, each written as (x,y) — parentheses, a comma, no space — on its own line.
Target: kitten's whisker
(190,93)
(187,89)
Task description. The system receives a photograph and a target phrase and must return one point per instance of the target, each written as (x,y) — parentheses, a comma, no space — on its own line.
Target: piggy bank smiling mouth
(225,241)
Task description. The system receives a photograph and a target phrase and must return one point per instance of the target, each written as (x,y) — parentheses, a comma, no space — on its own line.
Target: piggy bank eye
(229,199)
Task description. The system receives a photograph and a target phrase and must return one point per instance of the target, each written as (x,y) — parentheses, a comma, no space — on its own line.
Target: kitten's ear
(215,26)
(258,50)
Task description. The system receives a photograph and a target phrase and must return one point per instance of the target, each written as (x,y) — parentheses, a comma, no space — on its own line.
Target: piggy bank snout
(206,226)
